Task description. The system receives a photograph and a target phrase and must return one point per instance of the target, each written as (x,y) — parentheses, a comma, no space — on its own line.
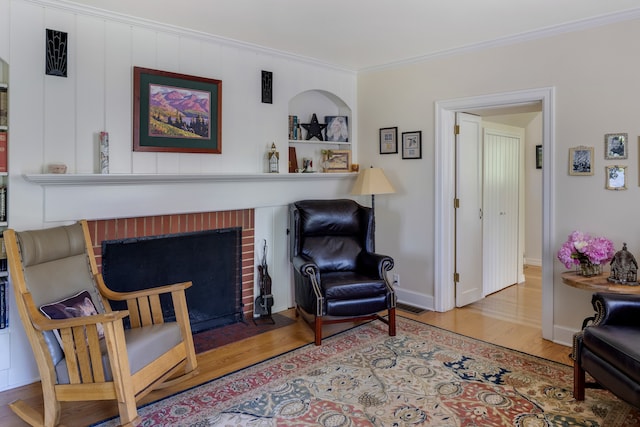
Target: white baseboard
(563,335)
(533,261)
(415,299)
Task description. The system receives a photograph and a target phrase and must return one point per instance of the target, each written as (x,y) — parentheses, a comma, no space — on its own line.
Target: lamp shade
(372,181)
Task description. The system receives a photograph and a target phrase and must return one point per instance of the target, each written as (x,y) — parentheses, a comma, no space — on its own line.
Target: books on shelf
(3,257)
(3,203)
(3,151)
(295,131)
(4,105)
(4,315)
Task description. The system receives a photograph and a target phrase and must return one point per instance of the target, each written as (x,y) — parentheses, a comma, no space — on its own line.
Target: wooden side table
(598,283)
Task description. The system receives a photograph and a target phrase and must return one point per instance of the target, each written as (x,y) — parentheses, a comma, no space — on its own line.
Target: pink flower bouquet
(582,247)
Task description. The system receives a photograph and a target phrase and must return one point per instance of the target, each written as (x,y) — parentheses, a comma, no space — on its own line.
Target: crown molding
(555,30)
(584,24)
(181,31)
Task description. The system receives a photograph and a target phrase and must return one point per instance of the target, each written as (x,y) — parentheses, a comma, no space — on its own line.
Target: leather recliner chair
(337,276)
(608,347)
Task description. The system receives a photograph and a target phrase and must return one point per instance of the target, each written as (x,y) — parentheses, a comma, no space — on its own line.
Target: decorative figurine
(104,152)
(274,158)
(624,267)
(264,301)
(314,129)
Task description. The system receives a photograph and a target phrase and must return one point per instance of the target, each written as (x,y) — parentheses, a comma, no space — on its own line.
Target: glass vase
(588,269)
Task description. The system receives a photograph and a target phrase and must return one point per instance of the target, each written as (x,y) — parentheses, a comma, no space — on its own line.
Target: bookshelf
(4,178)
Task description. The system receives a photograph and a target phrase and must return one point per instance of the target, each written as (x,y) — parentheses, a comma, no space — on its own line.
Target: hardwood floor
(510,318)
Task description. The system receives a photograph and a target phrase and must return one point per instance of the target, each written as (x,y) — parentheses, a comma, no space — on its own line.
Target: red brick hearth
(121,228)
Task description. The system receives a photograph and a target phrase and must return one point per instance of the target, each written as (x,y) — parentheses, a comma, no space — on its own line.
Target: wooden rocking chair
(92,357)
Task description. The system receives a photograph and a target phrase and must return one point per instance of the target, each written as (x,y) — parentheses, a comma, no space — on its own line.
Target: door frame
(445,161)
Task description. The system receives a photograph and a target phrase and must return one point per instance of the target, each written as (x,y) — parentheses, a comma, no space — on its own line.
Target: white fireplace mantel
(68,197)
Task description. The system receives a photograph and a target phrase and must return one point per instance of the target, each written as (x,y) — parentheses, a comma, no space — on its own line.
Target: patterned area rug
(425,376)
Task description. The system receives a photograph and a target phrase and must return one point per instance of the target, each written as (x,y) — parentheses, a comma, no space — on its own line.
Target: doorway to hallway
(444,291)
(491,201)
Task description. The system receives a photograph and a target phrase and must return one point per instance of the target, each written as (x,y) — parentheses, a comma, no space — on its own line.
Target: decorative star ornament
(314,128)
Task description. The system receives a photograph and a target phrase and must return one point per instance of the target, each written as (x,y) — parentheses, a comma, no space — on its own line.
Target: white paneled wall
(57,120)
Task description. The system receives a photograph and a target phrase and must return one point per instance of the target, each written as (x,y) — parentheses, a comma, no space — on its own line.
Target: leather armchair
(337,276)
(608,347)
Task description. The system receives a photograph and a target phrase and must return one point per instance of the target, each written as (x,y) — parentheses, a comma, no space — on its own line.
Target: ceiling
(365,34)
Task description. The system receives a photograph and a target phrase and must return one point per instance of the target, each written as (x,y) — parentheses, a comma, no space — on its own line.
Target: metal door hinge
(456,203)
(456,130)
(456,277)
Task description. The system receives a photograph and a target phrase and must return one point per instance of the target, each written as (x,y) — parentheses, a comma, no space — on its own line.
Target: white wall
(55,119)
(593,97)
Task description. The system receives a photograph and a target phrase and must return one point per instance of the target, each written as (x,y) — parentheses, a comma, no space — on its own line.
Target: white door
(468,214)
(501,207)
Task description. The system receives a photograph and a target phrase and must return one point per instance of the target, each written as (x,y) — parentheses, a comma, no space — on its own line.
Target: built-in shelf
(136,179)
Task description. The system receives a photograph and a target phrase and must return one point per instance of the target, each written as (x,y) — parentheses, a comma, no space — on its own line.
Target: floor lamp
(372,181)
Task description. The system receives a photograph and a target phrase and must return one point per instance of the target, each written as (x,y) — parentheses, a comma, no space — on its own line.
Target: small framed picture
(616,177)
(338,161)
(538,156)
(337,129)
(581,160)
(389,140)
(615,146)
(412,145)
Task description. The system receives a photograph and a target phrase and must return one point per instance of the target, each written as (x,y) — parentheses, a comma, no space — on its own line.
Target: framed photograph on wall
(176,112)
(581,160)
(538,156)
(389,140)
(616,177)
(615,146)
(412,145)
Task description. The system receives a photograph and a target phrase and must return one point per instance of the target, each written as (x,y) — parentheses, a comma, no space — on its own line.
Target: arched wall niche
(322,103)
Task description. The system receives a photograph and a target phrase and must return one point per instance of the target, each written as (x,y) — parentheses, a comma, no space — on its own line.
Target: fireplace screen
(211,259)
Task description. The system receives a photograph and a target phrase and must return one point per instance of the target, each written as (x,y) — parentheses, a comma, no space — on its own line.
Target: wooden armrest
(123,296)
(44,324)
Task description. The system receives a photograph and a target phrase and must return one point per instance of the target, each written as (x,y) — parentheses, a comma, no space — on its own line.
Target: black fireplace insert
(211,259)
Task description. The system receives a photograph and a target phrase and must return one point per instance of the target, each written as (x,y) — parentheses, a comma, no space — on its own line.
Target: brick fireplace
(122,228)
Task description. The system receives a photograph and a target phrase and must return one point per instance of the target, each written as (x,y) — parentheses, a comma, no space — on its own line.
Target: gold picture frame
(615,177)
(337,161)
(581,160)
(615,146)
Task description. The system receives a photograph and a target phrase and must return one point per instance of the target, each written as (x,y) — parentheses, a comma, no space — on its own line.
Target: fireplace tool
(264,301)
